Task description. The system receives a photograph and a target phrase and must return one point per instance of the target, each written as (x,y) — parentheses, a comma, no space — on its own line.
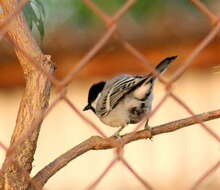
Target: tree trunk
(18,163)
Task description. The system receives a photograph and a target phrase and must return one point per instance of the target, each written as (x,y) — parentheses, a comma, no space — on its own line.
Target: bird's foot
(147,127)
(117,133)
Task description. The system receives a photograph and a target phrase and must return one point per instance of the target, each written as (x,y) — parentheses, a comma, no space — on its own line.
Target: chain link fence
(111,31)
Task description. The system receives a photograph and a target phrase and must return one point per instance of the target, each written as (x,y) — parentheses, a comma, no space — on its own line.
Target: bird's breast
(117,117)
(128,111)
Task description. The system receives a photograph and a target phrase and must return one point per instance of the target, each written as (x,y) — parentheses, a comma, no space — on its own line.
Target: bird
(125,99)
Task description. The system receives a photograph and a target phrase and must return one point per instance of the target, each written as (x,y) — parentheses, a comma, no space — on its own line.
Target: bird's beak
(88,107)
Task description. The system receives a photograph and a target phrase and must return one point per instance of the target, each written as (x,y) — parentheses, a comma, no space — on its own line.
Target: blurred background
(158,29)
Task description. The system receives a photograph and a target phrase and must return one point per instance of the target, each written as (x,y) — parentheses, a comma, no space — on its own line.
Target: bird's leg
(147,127)
(117,133)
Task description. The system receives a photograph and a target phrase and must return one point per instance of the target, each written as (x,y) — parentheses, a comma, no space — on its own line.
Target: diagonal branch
(99,143)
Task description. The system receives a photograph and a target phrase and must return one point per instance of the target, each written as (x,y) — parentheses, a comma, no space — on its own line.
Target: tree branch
(1,180)
(99,143)
(1,173)
(34,101)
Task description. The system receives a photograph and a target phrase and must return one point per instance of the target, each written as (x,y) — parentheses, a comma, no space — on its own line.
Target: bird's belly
(128,111)
(116,118)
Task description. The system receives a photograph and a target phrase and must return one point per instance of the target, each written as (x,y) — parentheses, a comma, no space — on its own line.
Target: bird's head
(93,94)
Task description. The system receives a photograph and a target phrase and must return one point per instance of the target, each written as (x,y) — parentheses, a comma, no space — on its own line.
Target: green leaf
(35,14)
(40,6)
(40,27)
(28,12)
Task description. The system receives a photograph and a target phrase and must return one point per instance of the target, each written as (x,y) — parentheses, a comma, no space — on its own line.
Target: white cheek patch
(141,91)
(96,100)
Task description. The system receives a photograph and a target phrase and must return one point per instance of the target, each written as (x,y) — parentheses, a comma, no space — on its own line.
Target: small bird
(125,99)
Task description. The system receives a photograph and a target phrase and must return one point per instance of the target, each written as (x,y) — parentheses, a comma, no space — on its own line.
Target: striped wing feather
(124,84)
(119,90)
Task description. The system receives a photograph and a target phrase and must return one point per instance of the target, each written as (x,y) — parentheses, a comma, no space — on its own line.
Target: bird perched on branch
(125,99)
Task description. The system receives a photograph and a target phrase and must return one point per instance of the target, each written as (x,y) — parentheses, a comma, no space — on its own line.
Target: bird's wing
(118,90)
(123,84)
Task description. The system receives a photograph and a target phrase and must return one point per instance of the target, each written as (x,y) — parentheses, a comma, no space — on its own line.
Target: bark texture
(18,163)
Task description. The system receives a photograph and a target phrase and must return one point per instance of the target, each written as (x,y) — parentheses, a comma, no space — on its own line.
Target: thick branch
(99,143)
(1,180)
(1,173)
(34,101)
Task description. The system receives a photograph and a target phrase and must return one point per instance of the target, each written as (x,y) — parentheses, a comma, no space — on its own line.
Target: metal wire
(111,30)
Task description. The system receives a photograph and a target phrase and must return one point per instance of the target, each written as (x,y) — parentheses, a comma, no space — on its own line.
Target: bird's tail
(163,65)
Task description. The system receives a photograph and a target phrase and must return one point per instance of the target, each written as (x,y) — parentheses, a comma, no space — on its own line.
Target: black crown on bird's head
(93,93)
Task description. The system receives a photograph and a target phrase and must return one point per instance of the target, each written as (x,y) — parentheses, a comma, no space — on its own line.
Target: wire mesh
(111,31)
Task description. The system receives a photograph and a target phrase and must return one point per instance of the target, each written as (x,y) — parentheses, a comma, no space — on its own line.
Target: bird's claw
(117,135)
